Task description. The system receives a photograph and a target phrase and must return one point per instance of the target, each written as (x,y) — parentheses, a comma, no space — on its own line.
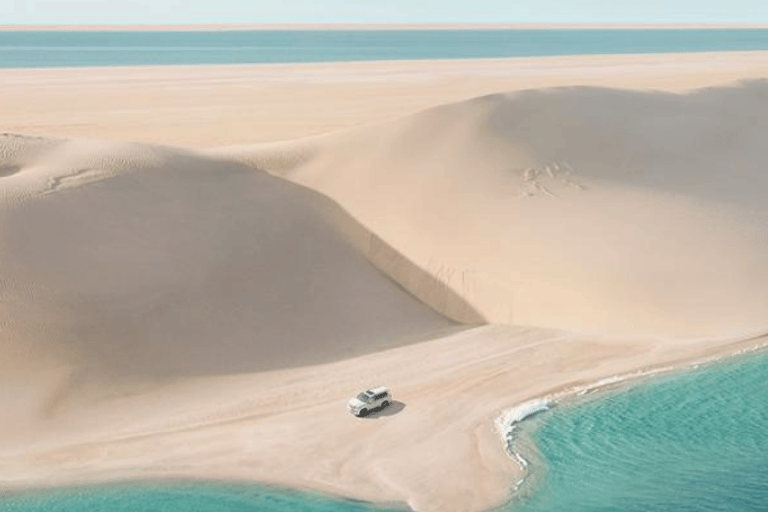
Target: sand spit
(178,313)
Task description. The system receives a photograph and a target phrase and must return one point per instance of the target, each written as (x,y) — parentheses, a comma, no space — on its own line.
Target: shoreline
(563,396)
(437,64)
(509,420)
(555,391)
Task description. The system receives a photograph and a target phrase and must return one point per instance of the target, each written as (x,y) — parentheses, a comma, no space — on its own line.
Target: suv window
(380,396)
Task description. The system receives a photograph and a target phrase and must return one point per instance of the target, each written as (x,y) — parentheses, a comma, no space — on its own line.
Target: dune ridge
(176,313)
(124,233)
(604,208)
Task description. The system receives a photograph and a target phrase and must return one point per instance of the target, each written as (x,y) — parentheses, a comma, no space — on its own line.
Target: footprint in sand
(538,181)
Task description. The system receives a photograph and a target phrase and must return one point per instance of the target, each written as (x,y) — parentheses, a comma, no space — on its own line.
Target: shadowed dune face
(613,212)
(9,170)
(189,267)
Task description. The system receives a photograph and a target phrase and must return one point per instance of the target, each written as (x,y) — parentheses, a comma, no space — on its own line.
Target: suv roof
(376,391)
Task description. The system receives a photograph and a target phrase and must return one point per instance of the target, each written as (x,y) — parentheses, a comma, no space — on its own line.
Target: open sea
(692,441)
(34,49)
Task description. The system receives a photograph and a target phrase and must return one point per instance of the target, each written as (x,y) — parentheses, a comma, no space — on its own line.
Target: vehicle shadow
(394,408)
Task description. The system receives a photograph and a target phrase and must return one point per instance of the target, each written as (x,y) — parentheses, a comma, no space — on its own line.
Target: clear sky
(378,11)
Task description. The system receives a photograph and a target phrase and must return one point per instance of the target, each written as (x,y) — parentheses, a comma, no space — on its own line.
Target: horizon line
(223,27)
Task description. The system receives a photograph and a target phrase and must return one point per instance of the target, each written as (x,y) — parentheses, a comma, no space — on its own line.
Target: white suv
(370,400)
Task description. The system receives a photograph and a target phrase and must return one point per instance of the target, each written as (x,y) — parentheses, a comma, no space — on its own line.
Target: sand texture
(207,312)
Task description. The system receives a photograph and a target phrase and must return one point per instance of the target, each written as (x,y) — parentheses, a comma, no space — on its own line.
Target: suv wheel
(363,413)
(384,404)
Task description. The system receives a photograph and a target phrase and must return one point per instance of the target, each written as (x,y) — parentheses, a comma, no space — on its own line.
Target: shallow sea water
(690,441)
(179,497)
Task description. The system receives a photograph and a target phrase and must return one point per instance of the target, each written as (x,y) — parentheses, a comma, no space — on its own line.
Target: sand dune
(172,313)
(126,262)
(603,211)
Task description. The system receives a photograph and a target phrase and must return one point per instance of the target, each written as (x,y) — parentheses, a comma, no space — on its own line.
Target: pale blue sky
(334,11)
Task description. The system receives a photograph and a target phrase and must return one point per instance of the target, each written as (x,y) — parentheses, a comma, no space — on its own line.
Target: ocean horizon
(70,48)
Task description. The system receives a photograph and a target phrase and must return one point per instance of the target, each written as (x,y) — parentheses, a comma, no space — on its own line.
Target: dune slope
(605,211)
(132,263)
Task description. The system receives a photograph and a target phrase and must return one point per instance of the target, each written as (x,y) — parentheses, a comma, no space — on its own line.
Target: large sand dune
(604,211)
(174,313)
(131,262)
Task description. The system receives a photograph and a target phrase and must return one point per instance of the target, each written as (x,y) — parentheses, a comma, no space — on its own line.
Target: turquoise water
(178,497)
(696,441)
(20,49)
(692,441)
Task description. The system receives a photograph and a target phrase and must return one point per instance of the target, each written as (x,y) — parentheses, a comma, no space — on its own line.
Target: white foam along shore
(509,421)
(199,313)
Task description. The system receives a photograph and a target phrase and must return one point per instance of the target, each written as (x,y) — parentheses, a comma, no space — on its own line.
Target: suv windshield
(364,398)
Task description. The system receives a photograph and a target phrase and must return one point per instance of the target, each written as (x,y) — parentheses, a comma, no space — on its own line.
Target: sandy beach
(201,265)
